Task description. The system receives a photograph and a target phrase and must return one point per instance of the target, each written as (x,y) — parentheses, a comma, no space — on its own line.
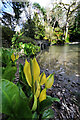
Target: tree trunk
(67,25)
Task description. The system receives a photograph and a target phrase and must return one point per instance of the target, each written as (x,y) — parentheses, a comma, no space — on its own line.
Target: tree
(65,12)
(75,28)
(8,19)
(69,10)
(41,9)
(34,27)
(29,28)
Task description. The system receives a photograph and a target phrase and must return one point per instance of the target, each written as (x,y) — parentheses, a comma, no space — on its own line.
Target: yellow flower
(42,95)
(17,56)
(34,80)
(27,73)
(31,71)
(13,57)
(42,79)
(35,70)
(49,82)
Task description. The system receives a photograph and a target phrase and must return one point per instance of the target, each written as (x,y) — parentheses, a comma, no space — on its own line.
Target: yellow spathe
(50,81)
(13,57)
(17,56)
(27,73)
(35,70)
(31,71)
(42,95)
(42,78)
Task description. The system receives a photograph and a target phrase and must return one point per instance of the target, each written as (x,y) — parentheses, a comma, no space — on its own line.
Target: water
(62,59)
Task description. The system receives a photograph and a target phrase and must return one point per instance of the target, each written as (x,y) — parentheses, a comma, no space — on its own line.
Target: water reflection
(63,59)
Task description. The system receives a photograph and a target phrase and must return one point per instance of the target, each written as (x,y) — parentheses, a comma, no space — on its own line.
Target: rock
(78,83)
(68,80)
(63,90)
(58,93)
(73,83)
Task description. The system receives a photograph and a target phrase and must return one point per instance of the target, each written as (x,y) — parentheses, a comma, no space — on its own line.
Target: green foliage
(8,66)
(39,28)
(58,33)
(9,73)
(40,32)
(29,28)
(49,113)
(34,28)
(47,103)
(25,39)
(7,35)
(15,40)
(74,30)
(30,49)
(67,39)
(15,102)
(6,57)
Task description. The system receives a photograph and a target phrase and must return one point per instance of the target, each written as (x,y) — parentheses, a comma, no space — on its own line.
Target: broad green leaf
(35,116)
(9,73)
(27,73)
(14,101)
(0,97)
(42,95)
(47,103)
(34,107)
(21,73)
(42,78)
(50,81)
(49,113)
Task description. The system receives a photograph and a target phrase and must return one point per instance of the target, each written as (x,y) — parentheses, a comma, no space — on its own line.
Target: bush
(7,35)
(16,39)
(9,64)
(30,49)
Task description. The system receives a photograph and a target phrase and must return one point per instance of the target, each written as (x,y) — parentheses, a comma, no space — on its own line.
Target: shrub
(7,35)
(9,64)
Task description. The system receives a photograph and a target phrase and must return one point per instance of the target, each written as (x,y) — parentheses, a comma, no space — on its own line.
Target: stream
(61,59)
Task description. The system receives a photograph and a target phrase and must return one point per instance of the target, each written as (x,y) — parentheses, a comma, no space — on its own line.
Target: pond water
(62,59)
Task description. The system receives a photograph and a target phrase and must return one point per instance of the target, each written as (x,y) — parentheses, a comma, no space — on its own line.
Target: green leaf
(35,116)
(14,101)
(9,73)
(49,113)
(34,107)
(46,103)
